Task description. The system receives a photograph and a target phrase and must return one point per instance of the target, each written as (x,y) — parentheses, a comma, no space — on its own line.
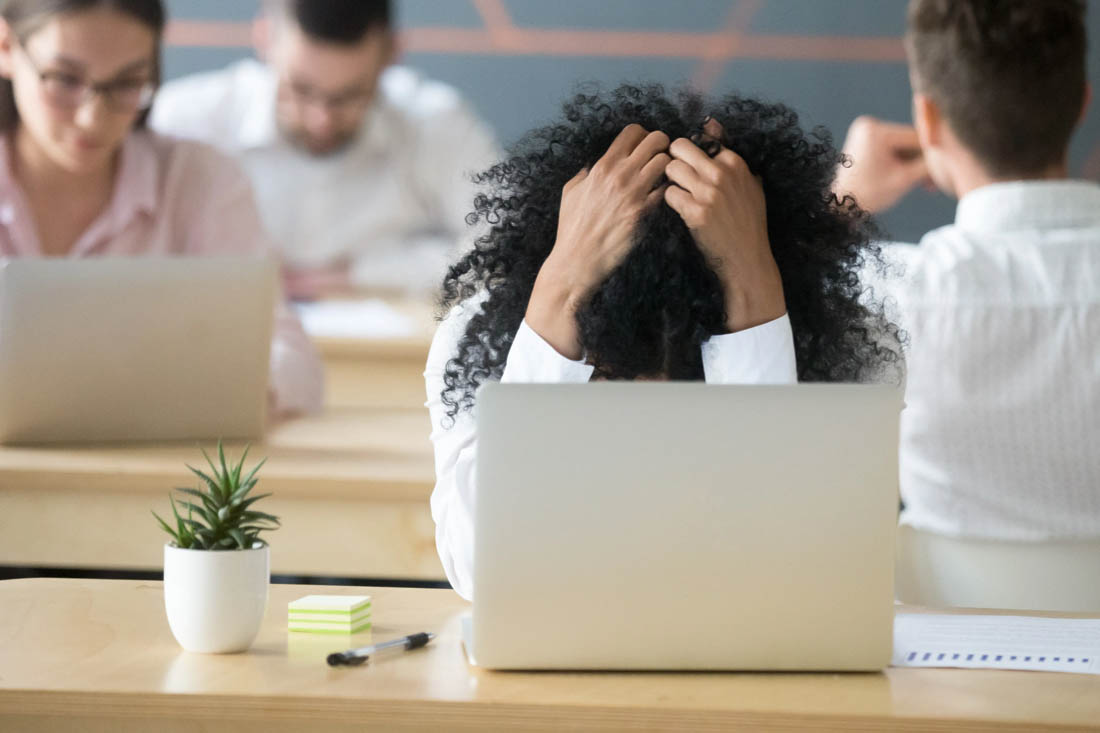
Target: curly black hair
(652,314)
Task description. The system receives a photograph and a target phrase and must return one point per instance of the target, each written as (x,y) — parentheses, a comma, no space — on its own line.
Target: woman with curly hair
(632,241)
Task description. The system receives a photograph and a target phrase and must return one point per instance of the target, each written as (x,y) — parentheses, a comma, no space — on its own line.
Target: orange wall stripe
(511,41)
(736,25)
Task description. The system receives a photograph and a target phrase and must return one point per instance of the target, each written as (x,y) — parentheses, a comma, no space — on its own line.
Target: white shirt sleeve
(454,146)
(760,355)
(530,359)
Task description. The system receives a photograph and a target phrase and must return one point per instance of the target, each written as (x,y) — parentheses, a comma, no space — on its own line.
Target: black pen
(357,656)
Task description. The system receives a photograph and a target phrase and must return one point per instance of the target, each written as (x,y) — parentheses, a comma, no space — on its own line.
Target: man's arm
(447,144)
(885,163)
(452,145)
(461,146)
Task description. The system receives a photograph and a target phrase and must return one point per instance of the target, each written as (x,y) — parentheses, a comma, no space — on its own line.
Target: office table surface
(380,371)
(351,486)
(98,655)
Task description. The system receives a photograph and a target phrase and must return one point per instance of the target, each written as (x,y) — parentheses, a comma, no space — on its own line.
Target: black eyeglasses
(303,94)
(69,91)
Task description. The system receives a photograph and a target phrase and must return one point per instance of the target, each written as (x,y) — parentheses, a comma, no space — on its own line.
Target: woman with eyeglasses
(80,176)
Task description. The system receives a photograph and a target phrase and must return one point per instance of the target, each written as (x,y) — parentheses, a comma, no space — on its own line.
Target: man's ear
(7,45)
(1085,102)
(261,37)
(928,120)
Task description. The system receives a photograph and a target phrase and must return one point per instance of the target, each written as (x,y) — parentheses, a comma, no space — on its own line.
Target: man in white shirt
(361,168)
(999,437)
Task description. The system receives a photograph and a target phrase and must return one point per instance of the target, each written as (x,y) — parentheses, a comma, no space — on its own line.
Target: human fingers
(572,182)
(731,161)
(625,142)
(730,171)
(684,176)
(908,154)
(655,196)
(653,144)
(867,134)
(916,170)
(684,204)
(897,135)
(685,150)
(653,170)
(713,128)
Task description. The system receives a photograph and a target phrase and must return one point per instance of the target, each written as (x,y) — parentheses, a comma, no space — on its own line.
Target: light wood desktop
(98,656)
(380,372)
(351,486)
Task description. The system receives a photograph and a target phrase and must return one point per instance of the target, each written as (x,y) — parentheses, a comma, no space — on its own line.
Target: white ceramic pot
(216,599)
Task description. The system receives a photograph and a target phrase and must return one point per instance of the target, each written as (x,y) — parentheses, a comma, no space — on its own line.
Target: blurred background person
(80,176)
(361,167)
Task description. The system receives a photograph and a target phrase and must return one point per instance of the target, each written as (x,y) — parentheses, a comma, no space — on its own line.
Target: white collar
(1029,205)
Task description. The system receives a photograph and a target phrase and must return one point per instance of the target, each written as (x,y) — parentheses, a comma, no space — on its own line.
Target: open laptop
(111,349)
(685,526)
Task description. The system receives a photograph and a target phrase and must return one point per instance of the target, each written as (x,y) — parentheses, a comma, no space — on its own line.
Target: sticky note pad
(334,605)
(310,647)
(329,614)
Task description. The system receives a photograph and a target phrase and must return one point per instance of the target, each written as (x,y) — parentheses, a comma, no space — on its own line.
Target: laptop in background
(669,526)
(151,348)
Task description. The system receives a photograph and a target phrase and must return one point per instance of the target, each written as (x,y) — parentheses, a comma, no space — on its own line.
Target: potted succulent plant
(216,567)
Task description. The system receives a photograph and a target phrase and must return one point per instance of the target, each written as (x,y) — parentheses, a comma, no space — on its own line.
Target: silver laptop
(685,526)
(128,349)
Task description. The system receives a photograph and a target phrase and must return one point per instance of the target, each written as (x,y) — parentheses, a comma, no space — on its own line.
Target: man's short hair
(335,21)
(1008,75)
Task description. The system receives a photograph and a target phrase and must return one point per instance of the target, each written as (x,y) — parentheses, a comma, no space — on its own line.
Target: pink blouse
(176,197)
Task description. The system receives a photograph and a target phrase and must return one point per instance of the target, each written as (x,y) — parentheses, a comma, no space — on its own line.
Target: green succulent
(222,518)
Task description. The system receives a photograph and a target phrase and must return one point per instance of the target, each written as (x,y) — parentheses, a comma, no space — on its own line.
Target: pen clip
(415,641)
(346,659)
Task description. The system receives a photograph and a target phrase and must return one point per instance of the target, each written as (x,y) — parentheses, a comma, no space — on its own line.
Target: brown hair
(1008,75)
(25,17)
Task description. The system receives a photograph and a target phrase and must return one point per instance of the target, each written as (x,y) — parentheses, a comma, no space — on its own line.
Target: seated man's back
(1003,398)
(998,469)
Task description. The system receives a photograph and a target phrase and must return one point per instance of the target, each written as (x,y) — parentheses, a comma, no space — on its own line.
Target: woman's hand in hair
(723,204)
(600,209)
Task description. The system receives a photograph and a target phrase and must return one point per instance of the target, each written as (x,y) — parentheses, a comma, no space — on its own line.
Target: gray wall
(516,59)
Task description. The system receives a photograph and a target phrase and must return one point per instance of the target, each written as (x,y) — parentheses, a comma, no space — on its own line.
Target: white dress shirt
(392,204)
(761,355)
(1000,438)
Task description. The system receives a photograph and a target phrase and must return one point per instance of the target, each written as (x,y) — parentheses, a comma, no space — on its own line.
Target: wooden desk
(351,486)
(380,372)
(98,656)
